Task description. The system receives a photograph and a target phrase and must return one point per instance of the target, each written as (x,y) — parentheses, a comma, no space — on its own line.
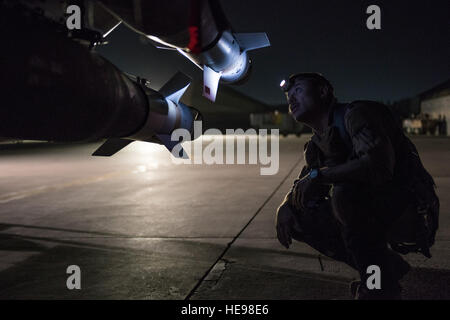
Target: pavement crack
(320,262)
(217,272)
(203,278)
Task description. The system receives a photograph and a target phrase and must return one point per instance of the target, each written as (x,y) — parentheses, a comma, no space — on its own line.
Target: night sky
(410,54)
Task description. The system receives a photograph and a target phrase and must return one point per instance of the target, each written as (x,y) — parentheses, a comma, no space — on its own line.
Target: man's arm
(310,156)
(287,201)
(375,154)
(284,220)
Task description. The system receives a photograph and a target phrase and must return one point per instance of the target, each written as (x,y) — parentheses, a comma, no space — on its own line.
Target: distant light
(282,83)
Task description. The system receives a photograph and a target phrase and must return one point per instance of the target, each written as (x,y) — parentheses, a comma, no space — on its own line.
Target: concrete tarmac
(142,227)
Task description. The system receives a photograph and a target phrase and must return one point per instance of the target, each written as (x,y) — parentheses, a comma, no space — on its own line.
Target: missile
(165,114)
(58,90)
(220,53)
(197,29)
(227,60)
(204,37)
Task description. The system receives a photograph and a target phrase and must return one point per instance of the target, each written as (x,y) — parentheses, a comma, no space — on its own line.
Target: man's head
(308,94)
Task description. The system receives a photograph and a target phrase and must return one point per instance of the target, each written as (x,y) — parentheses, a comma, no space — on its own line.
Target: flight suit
(365,187)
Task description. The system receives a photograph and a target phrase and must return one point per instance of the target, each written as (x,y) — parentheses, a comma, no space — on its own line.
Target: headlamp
(284,85)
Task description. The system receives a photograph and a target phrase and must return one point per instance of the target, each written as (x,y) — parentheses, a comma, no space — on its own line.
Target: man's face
(304,99)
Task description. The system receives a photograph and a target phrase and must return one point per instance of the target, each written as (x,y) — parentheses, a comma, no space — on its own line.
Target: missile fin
(163,47)
(175,87)
(184,54)
(252,41)
(166,140)
(112,29)
(211,80)
(111,146)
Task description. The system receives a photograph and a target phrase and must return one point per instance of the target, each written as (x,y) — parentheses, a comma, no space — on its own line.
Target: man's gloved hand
(284,224)
(304,190)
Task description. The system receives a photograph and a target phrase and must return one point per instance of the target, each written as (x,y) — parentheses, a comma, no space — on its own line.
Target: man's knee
(349,203)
